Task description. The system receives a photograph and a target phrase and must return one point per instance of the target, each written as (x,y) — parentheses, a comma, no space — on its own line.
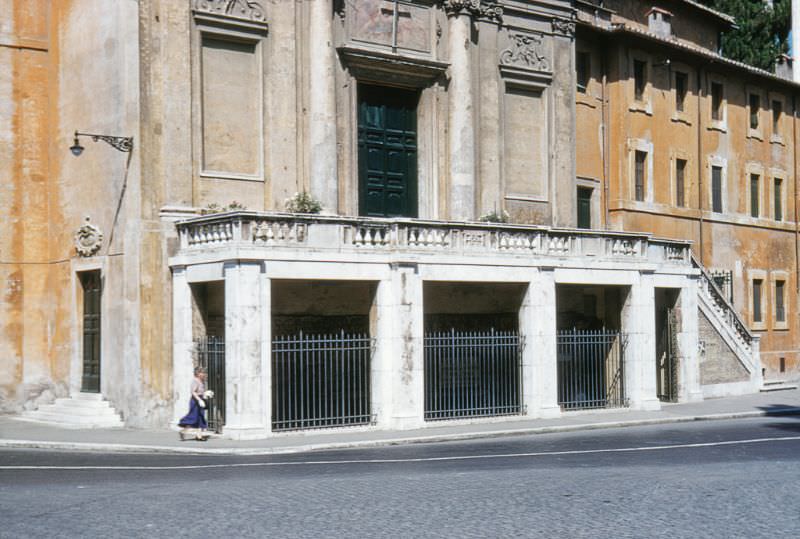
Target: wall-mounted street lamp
(123,144)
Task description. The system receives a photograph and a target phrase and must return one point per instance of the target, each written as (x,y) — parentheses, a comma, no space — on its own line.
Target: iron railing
(211,356)
(321,381)
(472,373)
(591,369)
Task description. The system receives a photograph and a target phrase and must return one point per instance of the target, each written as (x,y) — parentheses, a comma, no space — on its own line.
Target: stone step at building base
(777,385)
(79,410)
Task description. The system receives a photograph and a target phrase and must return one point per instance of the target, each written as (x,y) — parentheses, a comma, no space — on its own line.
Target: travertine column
(182,342)
(639,324)
(408,389)
(245,391)
(461,113)
(539,365)
(323,180)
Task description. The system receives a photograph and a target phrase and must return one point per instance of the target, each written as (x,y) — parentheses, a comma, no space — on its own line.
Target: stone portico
(249,251)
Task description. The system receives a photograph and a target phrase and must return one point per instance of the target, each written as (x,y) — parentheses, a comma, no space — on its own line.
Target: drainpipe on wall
(796,230)
(604,129)
(700,158)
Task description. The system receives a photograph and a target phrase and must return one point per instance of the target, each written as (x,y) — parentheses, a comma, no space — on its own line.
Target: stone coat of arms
(88,239)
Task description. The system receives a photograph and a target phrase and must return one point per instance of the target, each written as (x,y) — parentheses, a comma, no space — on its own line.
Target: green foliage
(762,34)
(303,203)
(216,208)
(495,217)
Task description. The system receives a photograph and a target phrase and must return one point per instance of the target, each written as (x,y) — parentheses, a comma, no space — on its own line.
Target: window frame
(754,181)
(778,197)
(777,124)
(776,277)
(760,276)
(720,123)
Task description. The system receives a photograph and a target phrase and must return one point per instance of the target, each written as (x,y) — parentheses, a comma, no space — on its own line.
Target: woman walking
(193,424)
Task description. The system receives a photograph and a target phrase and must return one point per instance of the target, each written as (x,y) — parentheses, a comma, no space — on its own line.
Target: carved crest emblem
(88,239)
(525,51)
(243,9)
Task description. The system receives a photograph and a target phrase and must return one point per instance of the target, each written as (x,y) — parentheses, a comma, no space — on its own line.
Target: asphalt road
(707,479)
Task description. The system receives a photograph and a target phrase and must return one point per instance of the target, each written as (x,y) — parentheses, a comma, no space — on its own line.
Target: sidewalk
(16,433)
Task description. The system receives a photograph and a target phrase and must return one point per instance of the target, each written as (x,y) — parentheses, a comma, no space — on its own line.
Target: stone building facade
(407,120)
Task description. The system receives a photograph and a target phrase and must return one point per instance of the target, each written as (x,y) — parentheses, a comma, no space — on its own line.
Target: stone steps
(79,410)
(777,385)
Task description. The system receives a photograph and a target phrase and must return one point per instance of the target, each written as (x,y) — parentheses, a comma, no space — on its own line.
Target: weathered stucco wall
(731,240)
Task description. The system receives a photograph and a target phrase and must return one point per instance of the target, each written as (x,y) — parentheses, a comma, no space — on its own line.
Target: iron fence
(472,373)
(321,381)
(591,369)
(211,356)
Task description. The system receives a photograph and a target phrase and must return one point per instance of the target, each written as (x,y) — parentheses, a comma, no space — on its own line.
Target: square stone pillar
(689,389)
(245,369)
(539,357)
(182,343)
(386,349)
(639,356)
(407,356)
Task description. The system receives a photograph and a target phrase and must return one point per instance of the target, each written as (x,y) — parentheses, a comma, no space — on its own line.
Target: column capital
(479,9)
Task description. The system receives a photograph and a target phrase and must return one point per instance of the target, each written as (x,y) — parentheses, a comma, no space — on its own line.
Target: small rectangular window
(783,364)
(680,182)
(639,175)
(716,101)
(780,309)
(777,110)
(778,199)
(584,207)
(639,71)
(681,87)
(755,106)
(716,189)
(757,300)
(755,181)
(582,70)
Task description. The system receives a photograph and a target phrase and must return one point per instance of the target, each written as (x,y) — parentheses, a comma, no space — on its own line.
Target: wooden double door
(387,151)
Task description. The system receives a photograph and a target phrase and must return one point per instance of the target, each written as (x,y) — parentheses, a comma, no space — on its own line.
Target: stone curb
(304,448)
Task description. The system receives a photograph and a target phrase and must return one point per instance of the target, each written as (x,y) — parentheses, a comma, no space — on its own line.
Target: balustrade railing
(375,235)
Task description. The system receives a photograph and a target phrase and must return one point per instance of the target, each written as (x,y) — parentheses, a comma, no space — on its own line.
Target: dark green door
(584,207)
(92,291)
(387,152)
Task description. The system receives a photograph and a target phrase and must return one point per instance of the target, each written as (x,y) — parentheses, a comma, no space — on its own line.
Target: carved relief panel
(395,24)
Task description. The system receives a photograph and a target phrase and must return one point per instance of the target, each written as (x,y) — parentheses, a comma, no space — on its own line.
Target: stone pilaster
(639,324)
(245,382)
(323,167)
(407,369)
(539,365)
(689,388)
(182,342)
(461,112)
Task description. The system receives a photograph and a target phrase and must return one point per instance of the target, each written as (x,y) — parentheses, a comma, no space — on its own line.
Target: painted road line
(415,460)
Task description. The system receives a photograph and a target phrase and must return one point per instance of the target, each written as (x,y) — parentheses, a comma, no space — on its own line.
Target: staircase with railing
(727,321)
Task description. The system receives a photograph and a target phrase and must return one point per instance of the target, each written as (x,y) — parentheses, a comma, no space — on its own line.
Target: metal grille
(668,361)
(590,369)
(472,373)
(211,356)
(321,381)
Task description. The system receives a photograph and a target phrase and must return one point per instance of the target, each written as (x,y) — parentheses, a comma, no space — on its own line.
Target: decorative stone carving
(88,239)
(482,9)
(563,27)
(525,51)
(241,9)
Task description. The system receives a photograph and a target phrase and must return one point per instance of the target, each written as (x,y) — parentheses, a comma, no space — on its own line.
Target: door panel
(387,152)
(90,379)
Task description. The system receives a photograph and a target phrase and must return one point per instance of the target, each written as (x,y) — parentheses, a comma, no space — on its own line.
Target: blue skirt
(196,418)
